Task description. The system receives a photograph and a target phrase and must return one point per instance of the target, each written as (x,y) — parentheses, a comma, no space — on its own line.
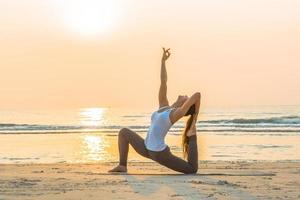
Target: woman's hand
(166,54)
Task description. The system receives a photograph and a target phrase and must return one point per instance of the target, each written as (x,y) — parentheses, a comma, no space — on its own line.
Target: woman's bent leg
(126,137)
(167,159)
(193,153)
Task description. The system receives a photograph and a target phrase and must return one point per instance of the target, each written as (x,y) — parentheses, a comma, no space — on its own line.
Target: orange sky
(234,52)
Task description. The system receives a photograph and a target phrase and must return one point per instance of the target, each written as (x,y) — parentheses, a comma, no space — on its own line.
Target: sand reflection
(93,148)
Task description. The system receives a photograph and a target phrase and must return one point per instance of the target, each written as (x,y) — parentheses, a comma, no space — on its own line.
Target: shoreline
(146,180)
(175,133)
(133,162)
(91,147)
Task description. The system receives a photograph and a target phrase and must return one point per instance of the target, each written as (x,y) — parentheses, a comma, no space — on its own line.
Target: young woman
(154,147)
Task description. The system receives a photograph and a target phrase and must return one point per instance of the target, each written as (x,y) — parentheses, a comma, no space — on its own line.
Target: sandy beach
(86,85)
(214,180)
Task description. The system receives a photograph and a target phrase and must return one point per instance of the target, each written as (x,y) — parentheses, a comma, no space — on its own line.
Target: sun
(89,17)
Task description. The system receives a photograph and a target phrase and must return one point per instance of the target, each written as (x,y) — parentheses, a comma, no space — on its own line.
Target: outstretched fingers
(168,54)
(165,51)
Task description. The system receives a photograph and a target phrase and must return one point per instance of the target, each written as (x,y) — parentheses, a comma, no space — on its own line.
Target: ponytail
(185,138)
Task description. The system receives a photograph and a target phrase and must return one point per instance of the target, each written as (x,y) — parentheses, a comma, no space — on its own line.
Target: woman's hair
(185,138)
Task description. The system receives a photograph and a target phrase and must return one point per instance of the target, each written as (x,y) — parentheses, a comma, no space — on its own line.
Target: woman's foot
(192,131)
(119,168)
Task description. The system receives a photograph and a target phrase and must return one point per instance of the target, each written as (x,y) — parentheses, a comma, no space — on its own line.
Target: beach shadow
(186,186)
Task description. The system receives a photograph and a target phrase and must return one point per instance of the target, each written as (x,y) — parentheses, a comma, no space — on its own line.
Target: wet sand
(214,180)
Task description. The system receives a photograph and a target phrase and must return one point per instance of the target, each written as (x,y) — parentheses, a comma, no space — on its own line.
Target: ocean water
(90,134)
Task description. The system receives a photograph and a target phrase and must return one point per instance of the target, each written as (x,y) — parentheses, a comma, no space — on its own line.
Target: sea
(90,135)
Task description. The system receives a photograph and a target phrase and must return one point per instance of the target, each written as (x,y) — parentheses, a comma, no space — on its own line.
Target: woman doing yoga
(154,147)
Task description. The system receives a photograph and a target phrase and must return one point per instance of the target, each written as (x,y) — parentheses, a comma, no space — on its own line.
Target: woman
(154,147)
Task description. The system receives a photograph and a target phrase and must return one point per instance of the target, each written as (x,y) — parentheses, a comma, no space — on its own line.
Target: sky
(88,53)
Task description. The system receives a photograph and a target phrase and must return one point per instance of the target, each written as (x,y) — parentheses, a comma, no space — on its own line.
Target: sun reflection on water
(92,116)
(94,148)
(93,145)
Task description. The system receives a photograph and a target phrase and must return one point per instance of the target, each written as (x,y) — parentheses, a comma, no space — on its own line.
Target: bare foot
(119,168)
(192,131)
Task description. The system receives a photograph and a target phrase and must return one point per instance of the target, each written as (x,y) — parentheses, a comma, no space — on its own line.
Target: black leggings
(164,157)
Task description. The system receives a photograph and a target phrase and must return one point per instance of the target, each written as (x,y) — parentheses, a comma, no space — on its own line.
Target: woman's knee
(123,132)
(192,170)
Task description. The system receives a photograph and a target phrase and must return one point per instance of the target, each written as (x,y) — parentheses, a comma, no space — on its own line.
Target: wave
(176,128)
(172,131)
(133,116)
(10,126)
(273,124)
(293,119)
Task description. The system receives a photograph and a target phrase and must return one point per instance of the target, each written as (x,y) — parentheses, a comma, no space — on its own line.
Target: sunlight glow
(89,17)
(92,116)
(94,148)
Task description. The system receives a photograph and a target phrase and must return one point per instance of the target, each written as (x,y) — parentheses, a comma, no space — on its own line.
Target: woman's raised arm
(162,96)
